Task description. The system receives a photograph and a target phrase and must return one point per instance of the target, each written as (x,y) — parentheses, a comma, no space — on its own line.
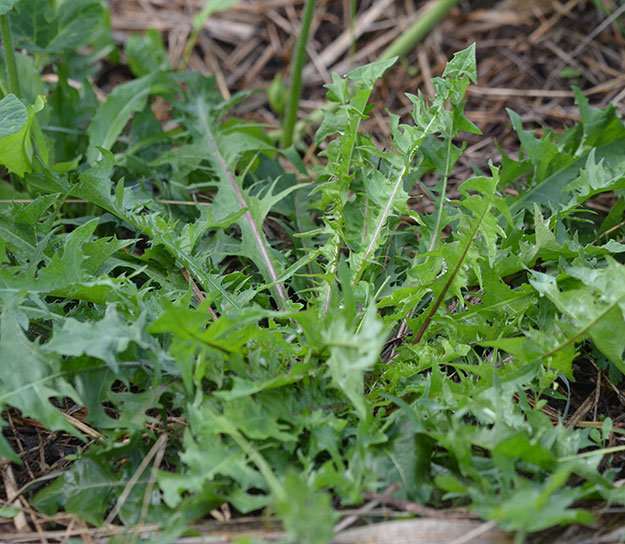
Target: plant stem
(188,49)
(454,272)
(381,222)
(352,32)
(443,193)
(433,13)
(260,242)
(9,55)
(296,75)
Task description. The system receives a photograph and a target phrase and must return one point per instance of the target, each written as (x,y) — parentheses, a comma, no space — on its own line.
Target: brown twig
(156,447)
(197,291)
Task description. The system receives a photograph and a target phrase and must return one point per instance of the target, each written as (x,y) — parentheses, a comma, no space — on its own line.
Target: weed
(118,296)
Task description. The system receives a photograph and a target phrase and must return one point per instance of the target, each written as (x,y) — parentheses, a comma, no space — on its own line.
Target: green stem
(434,12)
(352,31)
(443,193)
(188,49)
(9,55)
(296,75)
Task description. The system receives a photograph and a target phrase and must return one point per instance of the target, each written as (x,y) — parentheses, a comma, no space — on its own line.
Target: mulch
(524,48)
(529,53)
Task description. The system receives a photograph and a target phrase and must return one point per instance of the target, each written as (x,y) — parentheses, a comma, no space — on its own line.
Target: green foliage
(112,116)
(557,159)
(16,147)
(307,513)
(261,355)
(41,28)
(7,5)
(146,54)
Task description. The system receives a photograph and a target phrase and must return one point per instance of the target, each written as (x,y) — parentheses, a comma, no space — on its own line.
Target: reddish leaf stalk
(197,291)
(453,274)
(248,216)
(400,333)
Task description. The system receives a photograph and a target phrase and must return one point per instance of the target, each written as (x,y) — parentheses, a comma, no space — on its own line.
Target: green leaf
(91,486)
(307,513)
(551,166)
(164,234)
(16,148)
(126,99)
(368,74)
(596,178)
(277,94)
(72,271)
(477,241)
(463,64)
(256,420)
(530,509)
(389,198)
(146,54)
(352,353)
(406,457)
(104,339)
(18,237)
(211,7)
(450,484)
(9,511)
(45,30)
(7,451)
(600,126)
(244,388)
(596,307)
(211,457)
(228,334)
(69,264)
(13,115)
(614,218)
(87,489)
(96,185)
(7,5)
(558,160)
(30,385)
(549,346)
(499,305)
(517,448)
(231,197)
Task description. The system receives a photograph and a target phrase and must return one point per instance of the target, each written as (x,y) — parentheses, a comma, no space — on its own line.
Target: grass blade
(296,75)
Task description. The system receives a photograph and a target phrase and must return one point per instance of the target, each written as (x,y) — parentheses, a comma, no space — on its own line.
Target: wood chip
(423,531)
